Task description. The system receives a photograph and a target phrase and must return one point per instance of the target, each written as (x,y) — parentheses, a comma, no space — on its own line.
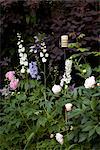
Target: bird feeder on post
(64,43)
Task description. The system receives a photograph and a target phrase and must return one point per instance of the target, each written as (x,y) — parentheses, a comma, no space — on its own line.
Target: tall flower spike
(67,75)
(43,54)
(22,55)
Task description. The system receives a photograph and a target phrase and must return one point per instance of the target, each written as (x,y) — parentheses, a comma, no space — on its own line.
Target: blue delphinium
(33,70)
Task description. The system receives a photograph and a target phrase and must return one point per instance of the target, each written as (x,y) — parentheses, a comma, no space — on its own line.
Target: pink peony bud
(14,84)
(10,75)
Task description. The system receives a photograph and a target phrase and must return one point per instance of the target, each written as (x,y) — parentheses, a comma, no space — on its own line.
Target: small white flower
(35,51)
(56,89)
(22,70)
(90,82)
(26,63)
(21,54)
(41,54)
(19,50)
(18,43)
(28,70)
(23,49)
(24,57)
(62,82)
(59,138)
(31,50)
(20,46)
(21,62)
(68,106)
(44,50)
(43,43)
(44,60)
(46,55)
(22,41)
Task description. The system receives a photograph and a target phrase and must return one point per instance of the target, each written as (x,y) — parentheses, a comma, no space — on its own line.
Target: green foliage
(29,117)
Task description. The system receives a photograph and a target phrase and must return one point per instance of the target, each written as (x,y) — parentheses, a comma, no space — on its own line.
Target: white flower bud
(22,70)
(41,54)
(90,82)
(68,106)
(59,138)
(46,55)
(51,136)
(56,89)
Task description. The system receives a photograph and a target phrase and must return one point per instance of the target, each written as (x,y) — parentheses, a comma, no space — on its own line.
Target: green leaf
(70,136)
(91,132)
(82,137)
(41,121)
(29,139)
(76,112)
(82,49)
(98,130)
(87,128)
(93,104)
(73,45)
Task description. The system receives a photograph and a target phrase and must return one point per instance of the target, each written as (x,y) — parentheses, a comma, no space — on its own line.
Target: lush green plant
(31,114)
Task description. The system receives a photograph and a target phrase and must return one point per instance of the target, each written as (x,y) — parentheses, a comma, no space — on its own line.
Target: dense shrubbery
(49,95)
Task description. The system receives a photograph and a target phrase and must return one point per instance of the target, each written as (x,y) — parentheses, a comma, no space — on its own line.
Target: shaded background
(53,18)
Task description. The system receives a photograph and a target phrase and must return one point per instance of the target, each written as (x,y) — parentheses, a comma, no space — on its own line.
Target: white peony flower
(44,60)
(56,89)
(59,138)
(22,70)
(90,82)
(41,54)
(68,106)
